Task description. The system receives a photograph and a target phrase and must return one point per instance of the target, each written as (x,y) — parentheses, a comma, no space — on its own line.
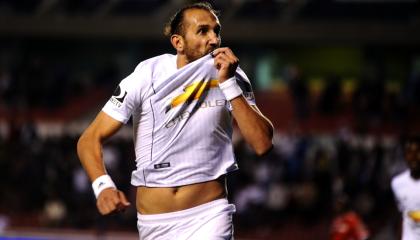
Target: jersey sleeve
(127,97)
(245,85)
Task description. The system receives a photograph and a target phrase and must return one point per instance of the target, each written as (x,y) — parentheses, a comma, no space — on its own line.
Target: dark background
(340,79)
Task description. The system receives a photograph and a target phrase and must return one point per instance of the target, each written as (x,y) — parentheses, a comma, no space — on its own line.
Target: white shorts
(209,221)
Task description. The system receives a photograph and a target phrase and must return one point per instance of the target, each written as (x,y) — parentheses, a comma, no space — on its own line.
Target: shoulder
(151,63)
(241,74)
(243,80)
(399,180)
(144,71)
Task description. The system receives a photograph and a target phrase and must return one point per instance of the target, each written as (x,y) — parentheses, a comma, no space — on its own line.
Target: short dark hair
(175,23)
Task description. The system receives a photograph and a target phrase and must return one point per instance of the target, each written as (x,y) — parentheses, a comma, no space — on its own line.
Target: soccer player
(406,188)
(182,107)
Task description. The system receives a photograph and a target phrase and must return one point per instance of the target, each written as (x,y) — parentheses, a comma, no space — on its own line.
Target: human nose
(214,39)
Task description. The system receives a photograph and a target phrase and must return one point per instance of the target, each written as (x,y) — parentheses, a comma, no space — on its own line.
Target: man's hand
(111,200)
(226,62)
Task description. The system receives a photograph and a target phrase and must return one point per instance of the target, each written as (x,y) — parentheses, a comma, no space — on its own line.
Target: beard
(193,54)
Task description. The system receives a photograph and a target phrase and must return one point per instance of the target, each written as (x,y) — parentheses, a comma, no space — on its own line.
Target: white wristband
(102,183)
(230,88)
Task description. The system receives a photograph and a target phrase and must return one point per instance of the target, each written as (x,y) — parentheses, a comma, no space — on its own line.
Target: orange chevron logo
(192,92)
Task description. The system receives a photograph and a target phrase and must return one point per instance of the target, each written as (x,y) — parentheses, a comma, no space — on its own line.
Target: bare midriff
(155,200)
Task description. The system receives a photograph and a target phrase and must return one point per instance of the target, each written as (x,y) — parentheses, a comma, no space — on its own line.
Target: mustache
(212,48)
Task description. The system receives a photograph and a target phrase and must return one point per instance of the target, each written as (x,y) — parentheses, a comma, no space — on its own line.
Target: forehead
(199,17)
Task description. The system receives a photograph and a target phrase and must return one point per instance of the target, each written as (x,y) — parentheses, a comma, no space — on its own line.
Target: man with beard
(182,107)
(406,188)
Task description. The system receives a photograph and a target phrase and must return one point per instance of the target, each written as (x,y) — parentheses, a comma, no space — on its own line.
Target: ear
(177,42)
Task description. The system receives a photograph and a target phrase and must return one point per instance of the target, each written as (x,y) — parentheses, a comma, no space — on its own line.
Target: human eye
(202,30)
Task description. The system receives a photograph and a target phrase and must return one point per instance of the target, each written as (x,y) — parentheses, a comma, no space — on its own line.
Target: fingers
(223,61)
(226,62)
(111,200)
(225,54)
(222,50)
(123,199)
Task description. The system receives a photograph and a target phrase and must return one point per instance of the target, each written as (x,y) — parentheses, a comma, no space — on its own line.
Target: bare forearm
(89,150)
(255,127)
(90,155)
(89,146)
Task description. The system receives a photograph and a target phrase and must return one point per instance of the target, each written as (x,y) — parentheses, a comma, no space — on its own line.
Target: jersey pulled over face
(181,120)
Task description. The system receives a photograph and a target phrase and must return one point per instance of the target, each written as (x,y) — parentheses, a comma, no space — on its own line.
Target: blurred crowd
(373,99)
(31,80)
(43,184)
(305,175)
(295,191)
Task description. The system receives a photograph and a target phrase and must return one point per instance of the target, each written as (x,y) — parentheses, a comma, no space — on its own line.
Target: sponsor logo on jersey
(214,103)
(414,215)
(162,165)
(192,92)
(118,97)
(177,119)
(203,104)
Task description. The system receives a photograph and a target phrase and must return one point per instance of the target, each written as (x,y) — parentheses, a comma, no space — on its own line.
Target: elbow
(82,144)
(265,144)
(263,149)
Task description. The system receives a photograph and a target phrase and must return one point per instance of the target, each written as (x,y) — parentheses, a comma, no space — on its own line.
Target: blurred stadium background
(340,79)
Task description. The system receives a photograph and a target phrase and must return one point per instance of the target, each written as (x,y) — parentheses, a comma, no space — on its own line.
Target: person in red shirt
(347,225)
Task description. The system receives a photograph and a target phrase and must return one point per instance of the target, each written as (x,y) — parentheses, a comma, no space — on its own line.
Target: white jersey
(407,194)
(181,121)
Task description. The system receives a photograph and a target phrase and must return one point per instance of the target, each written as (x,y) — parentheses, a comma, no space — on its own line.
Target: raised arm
(89,150)
(254,126)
